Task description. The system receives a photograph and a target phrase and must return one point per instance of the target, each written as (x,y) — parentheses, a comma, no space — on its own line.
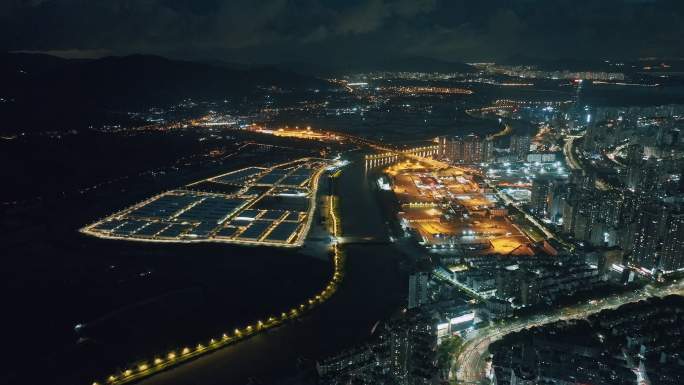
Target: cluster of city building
(476,149)
(402,351)
(408,348)
(615,214)
(414,347)
(627,189)
(416,90)
(639,343)
(523,281)
(448,305)
(532,72)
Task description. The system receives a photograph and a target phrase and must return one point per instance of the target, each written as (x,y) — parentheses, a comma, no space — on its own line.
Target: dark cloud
(284,30)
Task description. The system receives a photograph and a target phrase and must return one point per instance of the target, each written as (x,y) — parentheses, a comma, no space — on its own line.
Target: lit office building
(418,294)
(672,257)
(520,146)
(465,150)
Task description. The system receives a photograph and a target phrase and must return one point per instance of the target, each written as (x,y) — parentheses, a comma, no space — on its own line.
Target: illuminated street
(569,153)
(471,362)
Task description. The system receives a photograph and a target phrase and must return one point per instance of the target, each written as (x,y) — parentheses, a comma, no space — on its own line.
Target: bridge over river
(351,240)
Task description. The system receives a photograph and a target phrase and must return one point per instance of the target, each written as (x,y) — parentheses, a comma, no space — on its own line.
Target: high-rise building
(450,148)
(467,149)
(672,256)
(472,149)
(586,217)
(570,205)
(487,150)
(612,206)
(557,196)
(635,153)
(520,146)
(646,243)
(541,195)
(442,143)
(418,290)
(399,352)
(411,343)
(644,175)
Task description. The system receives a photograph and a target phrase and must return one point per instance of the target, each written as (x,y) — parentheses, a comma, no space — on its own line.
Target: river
(372,290)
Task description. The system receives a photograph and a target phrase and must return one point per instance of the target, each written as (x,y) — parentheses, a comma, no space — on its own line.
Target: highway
(612,156)
(575,164)
(443,277)
(568,152)
(471,362)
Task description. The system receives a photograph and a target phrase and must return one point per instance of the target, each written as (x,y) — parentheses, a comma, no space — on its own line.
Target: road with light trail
(471,361)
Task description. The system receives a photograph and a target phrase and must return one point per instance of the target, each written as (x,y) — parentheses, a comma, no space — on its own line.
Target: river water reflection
(372,290)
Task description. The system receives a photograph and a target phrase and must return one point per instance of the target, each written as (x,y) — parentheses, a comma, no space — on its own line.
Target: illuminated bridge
(389,157)
(362,240)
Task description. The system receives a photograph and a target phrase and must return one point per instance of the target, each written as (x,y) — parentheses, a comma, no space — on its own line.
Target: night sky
(328,31)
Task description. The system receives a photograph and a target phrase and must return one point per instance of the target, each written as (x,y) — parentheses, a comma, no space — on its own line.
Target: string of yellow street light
(175,357)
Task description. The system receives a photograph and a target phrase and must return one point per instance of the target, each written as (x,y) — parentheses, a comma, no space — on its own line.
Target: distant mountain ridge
(39,88)
(43,92)
(384,63)
(151,79)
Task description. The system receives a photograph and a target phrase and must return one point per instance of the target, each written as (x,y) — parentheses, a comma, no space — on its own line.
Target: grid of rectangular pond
(290,191)
(292,203)
(293,216)
(212,187)
(227,232)
(239,176)
(174,230)
(130,227)
(255,230)
(303,171)
(152,229)
(109,225)
(283,231)
(202,213)
(165,206)
(202,230)
(213,209)
(240,222)
(294,180)
(248,215)
(272,214)
(272,177)
(256,190)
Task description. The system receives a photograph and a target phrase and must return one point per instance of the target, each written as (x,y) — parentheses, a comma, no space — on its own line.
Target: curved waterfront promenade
(166,360)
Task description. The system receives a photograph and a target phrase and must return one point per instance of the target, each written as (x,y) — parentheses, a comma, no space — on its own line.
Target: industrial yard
(446,209)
